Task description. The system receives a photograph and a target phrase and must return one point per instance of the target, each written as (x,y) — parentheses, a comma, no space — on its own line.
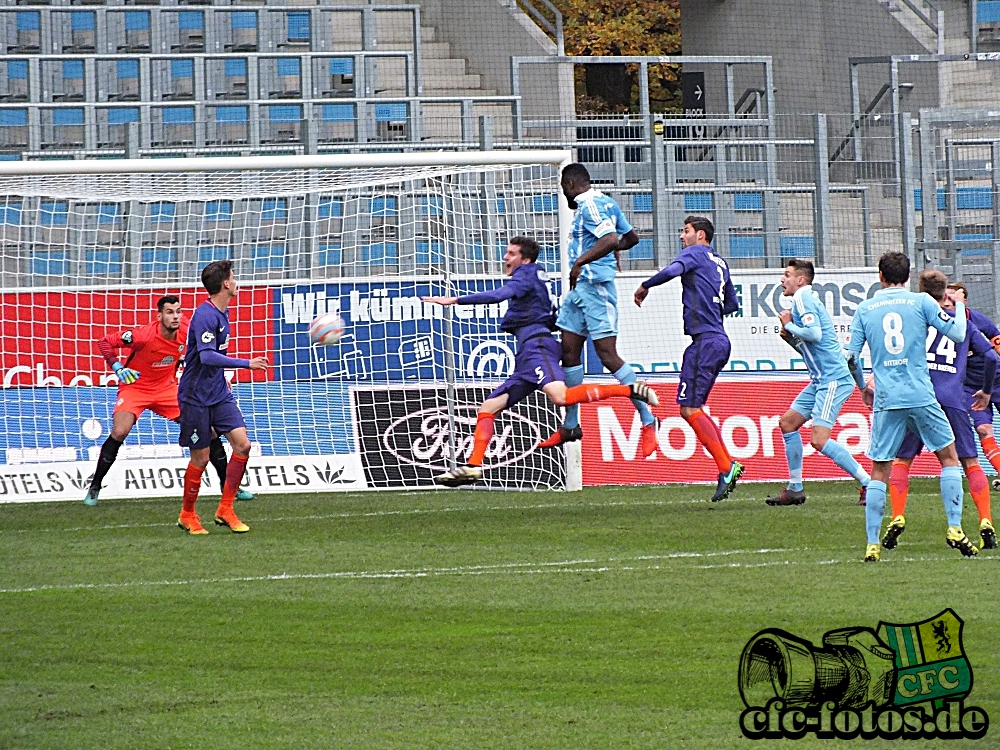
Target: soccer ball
(326,330)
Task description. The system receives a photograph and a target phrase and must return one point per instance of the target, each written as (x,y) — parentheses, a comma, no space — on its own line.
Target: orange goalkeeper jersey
(154,357)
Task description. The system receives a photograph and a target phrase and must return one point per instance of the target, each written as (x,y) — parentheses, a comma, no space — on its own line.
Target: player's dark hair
(168,299)
(963,287)
(701,224)
(894,267)
(529,248)
(577,173)
(934,283)
(803,268)
(215,274)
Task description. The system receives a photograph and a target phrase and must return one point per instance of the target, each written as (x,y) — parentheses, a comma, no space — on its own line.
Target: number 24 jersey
(894,323)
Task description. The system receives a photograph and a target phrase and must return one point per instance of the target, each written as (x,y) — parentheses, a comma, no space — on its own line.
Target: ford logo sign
(422,438)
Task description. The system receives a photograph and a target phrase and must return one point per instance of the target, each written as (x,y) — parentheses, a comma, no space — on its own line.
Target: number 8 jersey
(895,324)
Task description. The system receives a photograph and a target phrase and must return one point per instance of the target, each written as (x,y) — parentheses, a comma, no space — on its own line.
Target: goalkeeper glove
(125,374)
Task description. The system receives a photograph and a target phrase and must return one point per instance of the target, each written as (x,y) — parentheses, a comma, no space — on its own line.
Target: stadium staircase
(961,83)
(441,74)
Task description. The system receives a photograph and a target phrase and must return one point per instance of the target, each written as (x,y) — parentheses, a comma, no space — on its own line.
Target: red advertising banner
(747,411)
(49,339)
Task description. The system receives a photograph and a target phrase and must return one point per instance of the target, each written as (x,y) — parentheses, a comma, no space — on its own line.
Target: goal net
(88,247)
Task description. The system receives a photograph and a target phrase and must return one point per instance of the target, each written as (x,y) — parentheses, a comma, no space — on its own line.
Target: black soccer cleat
(787,497)
(561,436)
(727,482)
(892,533)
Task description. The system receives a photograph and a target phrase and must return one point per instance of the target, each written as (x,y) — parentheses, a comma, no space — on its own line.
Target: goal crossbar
(292,161)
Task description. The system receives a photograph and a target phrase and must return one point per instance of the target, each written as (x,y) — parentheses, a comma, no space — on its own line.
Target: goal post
(88,247)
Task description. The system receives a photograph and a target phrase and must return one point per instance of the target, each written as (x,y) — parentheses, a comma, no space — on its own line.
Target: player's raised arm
(515,287)
(662,276)
(952,326)
(109,346)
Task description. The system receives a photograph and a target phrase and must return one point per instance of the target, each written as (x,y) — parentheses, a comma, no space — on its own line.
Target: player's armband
(996,342)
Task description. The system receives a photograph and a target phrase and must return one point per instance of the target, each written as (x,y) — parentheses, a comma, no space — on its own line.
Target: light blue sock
(843,458)
(793,453)
(874,509)
(951,494)
(626,376)
(574,376)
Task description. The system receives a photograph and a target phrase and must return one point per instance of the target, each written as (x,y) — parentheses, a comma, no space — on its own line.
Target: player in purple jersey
(982,419)
(207,402)
(947,362)
(531,317)
(708,294)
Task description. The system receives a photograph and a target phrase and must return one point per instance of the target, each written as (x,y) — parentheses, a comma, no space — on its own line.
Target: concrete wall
(811,42)
(487,33)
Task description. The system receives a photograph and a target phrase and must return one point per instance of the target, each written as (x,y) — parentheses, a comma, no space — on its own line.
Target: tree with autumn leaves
(623,27)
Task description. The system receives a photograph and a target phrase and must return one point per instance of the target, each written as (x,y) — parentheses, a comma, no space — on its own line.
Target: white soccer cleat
(458,477)
(643,392)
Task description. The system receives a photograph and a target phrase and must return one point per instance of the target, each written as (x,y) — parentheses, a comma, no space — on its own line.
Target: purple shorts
(536,365)
(197,422)
(965,436)
(704,359)
(980,417)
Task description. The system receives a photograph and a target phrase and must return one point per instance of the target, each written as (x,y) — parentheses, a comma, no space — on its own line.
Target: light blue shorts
(823,403)
(590,310)
(889,427)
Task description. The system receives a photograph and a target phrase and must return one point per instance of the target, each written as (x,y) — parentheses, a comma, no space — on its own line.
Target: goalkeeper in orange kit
(148,380)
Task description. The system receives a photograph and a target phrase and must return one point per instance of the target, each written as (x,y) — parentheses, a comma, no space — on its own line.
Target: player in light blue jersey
(590,310)
(894,323)
(808,328)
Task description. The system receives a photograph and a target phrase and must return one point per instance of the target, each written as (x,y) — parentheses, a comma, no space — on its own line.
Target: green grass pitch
(610,618)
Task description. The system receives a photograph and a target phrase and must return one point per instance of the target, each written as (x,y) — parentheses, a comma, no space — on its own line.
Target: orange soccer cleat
(561,436)
(191,523)
(649,440)
(226,517)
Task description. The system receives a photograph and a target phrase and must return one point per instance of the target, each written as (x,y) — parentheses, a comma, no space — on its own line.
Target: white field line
(587,565)
(385,514)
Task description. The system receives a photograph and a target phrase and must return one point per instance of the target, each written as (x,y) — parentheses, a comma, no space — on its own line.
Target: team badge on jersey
(127,337)
(207,337)
(931,664)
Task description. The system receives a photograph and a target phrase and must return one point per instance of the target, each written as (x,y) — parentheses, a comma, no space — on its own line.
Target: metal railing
(934,21)
(553,27)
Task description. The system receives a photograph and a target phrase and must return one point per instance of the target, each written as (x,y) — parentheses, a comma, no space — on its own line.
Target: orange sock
(899,487)
(482,438)
(584,394)
(992,451)
(709,436)
(234,475)
(192,483)
(979,488)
